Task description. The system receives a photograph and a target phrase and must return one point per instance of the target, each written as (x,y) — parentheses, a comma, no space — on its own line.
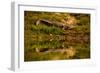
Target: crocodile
(54,23)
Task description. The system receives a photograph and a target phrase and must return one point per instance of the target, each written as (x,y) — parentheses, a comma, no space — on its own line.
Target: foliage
(41,41)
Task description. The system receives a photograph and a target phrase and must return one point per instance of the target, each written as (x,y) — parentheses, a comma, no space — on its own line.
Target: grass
(48,38)
(46,29)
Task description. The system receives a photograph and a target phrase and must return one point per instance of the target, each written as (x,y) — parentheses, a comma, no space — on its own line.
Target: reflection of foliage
(43,37)
(82,52)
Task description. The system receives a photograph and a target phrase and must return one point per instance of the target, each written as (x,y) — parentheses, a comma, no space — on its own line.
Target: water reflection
(58,49)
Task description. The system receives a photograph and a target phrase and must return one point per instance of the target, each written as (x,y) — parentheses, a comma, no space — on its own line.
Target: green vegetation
(43,42)
(46,29)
